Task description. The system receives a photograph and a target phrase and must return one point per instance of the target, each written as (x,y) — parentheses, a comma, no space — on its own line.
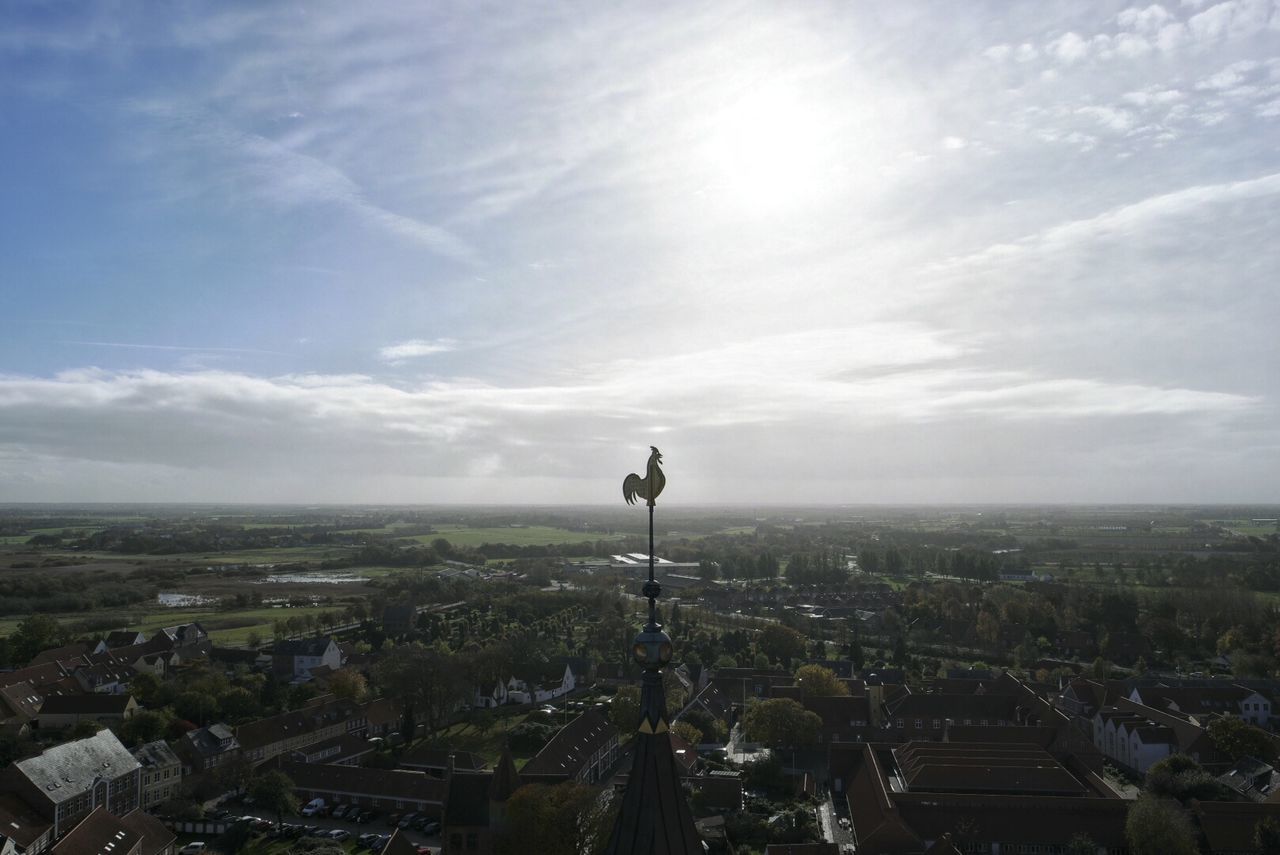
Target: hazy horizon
(820,255)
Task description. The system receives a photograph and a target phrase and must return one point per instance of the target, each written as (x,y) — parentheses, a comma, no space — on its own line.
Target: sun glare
(768,152)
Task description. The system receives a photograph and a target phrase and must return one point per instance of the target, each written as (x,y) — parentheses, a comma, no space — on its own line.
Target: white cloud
(415,348)
(1069,47)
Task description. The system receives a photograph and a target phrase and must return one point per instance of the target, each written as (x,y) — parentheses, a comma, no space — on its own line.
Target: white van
(313,807)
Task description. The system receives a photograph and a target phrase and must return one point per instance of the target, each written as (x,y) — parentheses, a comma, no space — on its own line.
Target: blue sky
(398,252)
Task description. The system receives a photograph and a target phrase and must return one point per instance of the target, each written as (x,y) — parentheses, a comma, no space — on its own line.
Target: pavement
(830,811)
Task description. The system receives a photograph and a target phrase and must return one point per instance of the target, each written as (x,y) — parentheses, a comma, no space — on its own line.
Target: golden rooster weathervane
(648,487)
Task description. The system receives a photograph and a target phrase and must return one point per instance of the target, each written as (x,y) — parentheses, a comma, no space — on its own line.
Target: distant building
(295,659)
(547,683)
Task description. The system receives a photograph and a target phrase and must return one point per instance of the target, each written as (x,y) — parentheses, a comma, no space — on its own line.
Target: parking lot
(370,835)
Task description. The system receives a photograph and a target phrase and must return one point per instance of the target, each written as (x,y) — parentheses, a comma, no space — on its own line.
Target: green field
(533,535)
(487,744)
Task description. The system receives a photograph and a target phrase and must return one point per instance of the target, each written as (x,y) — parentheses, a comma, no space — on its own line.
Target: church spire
(654,818)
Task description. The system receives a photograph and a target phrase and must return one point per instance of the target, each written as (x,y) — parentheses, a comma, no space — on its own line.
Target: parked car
(431,828)
(407,820)
(313,807)
(193,848)
(340,810)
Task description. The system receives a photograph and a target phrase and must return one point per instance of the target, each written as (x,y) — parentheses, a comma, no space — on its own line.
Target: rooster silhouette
(648,487)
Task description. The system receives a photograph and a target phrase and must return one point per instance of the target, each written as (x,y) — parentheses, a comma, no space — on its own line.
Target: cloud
(415,348)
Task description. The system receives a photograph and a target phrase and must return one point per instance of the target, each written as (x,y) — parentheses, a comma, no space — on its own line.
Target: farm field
(533,535)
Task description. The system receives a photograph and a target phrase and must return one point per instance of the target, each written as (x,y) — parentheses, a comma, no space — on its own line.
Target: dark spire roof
(505,778)
(655,818)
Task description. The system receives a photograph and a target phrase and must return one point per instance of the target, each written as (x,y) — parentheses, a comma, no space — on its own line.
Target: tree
(1158,826)
(34,634)
(273,791)
(780,643)
(1180,777)
(146,726)
(349,684)
(688,732)
(560,819)
(1081,844)
(781,723)
(818,681)
(1237,739)
(624,709)
(1266,836)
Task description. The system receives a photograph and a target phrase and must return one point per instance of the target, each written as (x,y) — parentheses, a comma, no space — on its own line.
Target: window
(937,724)
(900,724)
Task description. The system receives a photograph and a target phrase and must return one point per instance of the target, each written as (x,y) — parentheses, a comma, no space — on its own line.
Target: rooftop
(67,770)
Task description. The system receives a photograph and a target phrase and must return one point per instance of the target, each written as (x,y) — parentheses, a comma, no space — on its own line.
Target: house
(1228,827)
(390,790)
(1136,736)
(157,838)
(66,782)
(124,638)
(1204,701)
(295,659)
(321,719)
(188,640)
(345,749)
(1253,780)
(208,747)
(19,706)
(720,790)
(65,654)
(546,683)
(925,716)
(904,799)
(100,833)
(62,712)
(490,698)
(583,750)
(21,828)
(844,718)
(161,773)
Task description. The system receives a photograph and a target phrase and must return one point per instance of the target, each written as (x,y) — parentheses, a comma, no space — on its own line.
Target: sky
(464,252)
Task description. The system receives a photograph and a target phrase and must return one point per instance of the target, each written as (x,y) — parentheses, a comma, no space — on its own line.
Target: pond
(173,600)
(312,579)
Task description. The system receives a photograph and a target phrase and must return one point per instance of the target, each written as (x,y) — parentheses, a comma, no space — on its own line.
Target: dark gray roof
(67,770)
(302,647)
(573,746)
(156,753)
(94,703)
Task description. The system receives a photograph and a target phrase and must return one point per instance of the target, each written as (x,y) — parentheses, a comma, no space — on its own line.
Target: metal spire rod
(653,583)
